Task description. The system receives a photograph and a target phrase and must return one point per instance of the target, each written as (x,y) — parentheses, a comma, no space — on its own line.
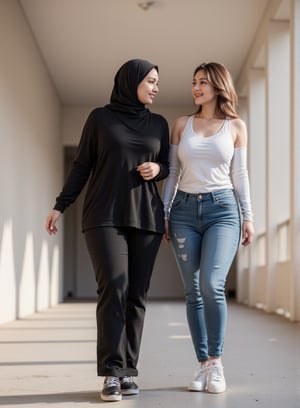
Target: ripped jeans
(205,233)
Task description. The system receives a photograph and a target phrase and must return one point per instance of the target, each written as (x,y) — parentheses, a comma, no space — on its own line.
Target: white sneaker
(199,382)
(215,380)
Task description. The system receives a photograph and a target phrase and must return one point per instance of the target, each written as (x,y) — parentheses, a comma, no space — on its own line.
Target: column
(278,163)
(295,160)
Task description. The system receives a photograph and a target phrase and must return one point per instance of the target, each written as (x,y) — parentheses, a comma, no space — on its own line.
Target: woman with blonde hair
(207,208)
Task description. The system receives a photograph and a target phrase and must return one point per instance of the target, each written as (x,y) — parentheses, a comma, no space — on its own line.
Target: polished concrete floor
(48,359)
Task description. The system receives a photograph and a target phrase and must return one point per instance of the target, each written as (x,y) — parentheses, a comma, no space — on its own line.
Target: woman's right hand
(166,235)
(51,219)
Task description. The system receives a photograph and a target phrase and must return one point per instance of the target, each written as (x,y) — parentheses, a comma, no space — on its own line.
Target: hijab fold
(124,100)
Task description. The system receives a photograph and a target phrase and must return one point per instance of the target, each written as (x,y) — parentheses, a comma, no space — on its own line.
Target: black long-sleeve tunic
(108,155)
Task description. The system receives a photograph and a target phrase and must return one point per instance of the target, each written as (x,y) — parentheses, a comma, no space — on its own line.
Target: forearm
(72,187)
(240,182)
(171,183)
(163,171)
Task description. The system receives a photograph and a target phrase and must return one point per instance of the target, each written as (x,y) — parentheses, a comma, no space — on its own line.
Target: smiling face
(148,88)
(202,90)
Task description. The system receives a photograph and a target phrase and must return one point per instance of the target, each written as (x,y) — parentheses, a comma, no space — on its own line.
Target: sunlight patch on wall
(27,289)
(43,283)
(7,275)
(55,283)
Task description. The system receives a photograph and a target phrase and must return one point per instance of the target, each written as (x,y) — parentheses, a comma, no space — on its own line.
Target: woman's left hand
(247,233)
(166,236)
(148,170)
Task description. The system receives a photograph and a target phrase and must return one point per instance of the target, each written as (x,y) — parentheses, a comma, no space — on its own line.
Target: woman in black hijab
(123,151)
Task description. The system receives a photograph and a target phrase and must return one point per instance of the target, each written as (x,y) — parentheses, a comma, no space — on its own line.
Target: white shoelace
(126,379)
(112,382)
(201,372)
(216,373)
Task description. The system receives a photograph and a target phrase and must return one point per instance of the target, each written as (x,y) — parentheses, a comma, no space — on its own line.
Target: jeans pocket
(226,200)
(176,202)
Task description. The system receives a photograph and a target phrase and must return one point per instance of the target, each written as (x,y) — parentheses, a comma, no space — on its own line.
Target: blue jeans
(205,233)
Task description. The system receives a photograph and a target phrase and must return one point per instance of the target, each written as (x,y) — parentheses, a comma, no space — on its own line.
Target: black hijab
(124,100)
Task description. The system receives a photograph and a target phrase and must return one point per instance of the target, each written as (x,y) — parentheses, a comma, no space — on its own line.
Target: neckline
(210,136)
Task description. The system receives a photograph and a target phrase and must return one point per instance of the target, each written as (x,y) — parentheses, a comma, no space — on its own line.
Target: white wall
(269,274)
(30,171)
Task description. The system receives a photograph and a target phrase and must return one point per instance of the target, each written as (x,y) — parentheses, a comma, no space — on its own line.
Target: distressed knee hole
(180,242)
(183,257)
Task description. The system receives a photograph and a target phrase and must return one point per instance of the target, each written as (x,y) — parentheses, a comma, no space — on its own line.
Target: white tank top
(205,161)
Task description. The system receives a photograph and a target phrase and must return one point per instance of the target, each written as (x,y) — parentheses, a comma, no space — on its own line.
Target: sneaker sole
(111,397)
(196,389)
(197,386)
(129,392)
(215,391)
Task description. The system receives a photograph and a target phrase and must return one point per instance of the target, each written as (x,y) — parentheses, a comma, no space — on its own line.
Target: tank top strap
(188,127)
(227,126)
(189,122)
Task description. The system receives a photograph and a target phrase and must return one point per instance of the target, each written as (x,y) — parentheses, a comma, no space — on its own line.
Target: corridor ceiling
(83,42)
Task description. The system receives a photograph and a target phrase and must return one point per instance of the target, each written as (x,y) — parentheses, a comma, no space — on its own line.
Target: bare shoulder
(181,121)
(238,124)
(178,127)
(239,130)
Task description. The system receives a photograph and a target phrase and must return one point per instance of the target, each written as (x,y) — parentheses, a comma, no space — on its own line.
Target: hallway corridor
(48,359)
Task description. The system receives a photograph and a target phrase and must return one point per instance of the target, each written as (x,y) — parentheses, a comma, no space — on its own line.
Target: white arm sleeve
(171,183)
(240,181)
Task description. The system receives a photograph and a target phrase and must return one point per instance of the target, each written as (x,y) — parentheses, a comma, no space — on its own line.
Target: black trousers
(123,260)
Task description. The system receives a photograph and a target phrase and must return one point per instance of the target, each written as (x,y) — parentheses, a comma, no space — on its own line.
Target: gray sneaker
(111,389)
(128,386)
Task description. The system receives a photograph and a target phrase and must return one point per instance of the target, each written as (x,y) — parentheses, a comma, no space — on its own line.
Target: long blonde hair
(220,78)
